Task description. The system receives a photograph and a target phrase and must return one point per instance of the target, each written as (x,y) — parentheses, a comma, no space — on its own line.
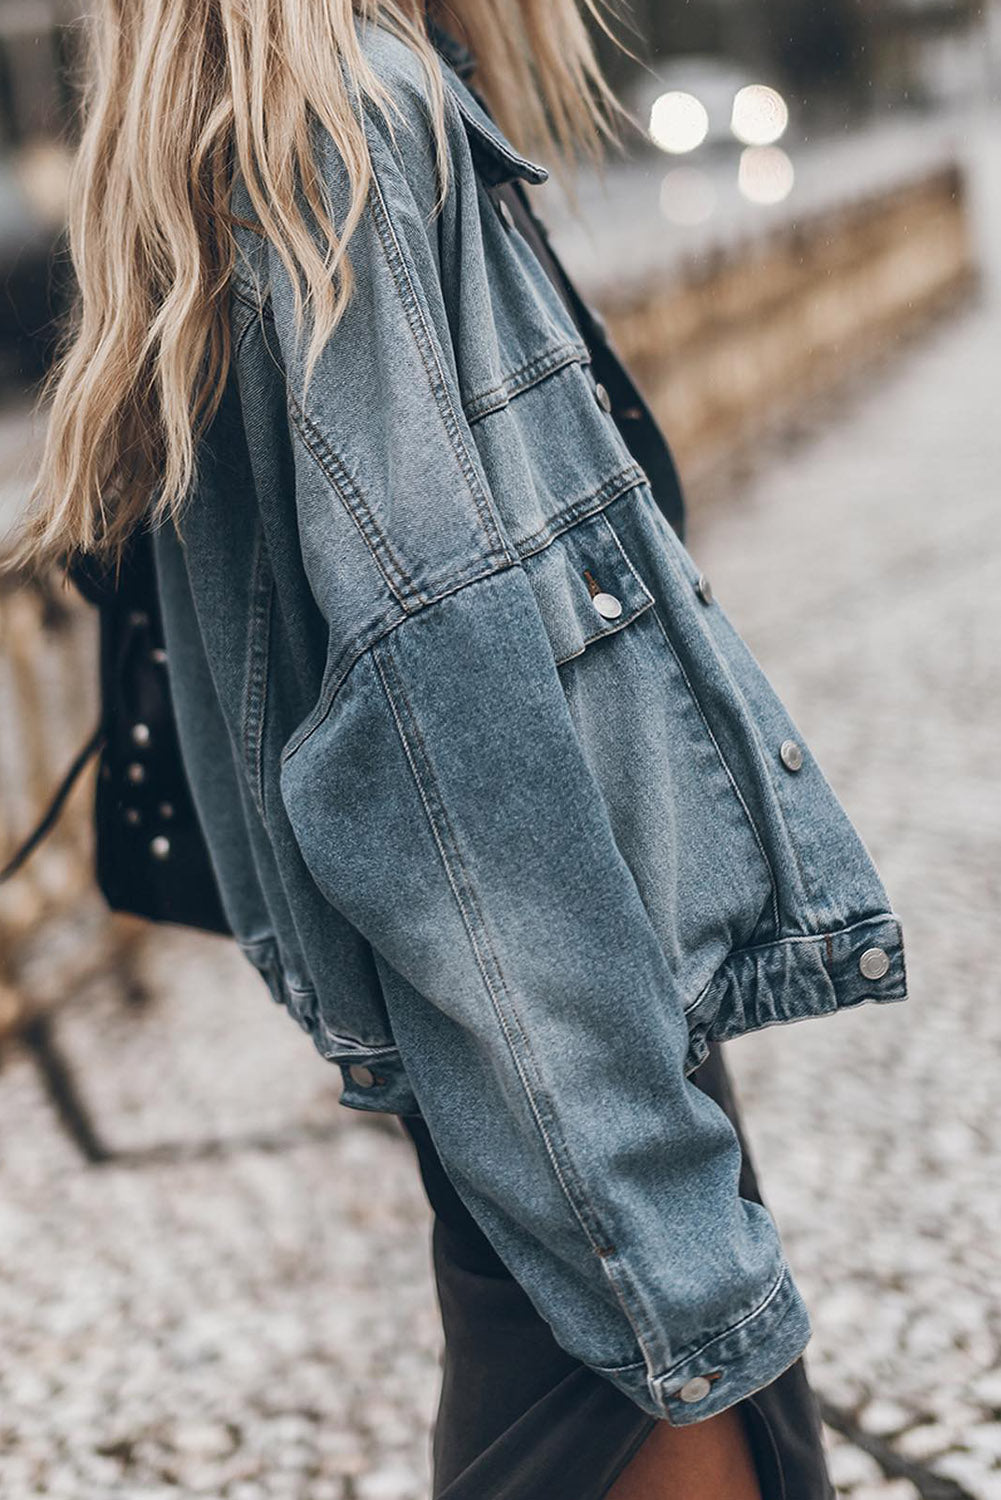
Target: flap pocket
(585,587)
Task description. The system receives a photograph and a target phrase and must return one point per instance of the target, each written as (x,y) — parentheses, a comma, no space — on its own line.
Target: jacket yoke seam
(494,982)
(578,510)
(523,378)
(402,276)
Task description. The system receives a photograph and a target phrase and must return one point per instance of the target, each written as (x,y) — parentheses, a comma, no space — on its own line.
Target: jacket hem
(795,978)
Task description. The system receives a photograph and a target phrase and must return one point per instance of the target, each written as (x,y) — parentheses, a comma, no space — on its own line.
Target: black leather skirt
(519,1419)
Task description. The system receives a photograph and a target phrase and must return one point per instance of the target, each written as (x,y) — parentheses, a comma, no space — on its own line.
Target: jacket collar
(496,158)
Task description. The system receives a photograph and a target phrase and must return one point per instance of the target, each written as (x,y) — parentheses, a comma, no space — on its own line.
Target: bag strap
(50,817)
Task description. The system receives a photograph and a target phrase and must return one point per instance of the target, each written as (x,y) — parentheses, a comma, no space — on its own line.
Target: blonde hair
(178,92)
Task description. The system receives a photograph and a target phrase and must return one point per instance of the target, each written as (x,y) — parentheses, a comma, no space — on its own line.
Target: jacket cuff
(745,1358)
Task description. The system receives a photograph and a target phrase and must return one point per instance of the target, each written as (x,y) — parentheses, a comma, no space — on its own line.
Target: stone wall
(738,337)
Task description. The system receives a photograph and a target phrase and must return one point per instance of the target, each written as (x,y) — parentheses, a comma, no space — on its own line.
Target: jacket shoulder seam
(331,465)
(406,290)
(362,645)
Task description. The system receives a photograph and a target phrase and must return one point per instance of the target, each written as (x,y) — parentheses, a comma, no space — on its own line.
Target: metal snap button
(133,817)
(696,1389)
(362,1076)
(141,734)
(608,607)
(166,811)
(158,655)
(160,847)
(874,963)
(504,209)
(792,755)
(603,398)
(704,589)
(136,773)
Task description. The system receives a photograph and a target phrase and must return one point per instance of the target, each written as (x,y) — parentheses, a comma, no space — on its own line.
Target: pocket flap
(585,586)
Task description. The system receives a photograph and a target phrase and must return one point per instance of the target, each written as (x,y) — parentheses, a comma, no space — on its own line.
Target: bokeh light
(678,122)
(766,174)
(687,196)
(760,115)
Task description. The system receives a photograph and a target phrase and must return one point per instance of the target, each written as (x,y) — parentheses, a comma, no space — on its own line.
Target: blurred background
(799,255)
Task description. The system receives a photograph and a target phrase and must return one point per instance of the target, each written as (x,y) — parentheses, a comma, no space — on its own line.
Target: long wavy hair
(175,95)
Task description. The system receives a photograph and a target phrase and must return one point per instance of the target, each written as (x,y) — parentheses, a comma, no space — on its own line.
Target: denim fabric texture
(496,795)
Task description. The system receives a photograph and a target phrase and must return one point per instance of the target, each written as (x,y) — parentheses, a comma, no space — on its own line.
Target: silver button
(608,607)
(160,847)
(166,811)
(362,1076)
(792,755)
(158,655)
(603,398)
(504,209)
(696,1389)
(704,589)
(136,773)
(133,817)
(874,963)
(140,734)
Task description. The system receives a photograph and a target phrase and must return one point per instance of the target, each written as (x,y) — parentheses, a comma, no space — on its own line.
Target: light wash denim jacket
(500,804)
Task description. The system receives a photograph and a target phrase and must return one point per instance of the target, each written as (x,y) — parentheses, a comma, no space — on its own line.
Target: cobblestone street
(239,1304)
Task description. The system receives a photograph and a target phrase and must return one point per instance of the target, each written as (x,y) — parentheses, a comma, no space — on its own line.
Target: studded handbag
(151,859)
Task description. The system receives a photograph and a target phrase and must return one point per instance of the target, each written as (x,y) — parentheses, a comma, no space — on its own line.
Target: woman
(499,804)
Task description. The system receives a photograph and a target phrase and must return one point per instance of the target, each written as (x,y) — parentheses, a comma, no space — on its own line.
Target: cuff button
(874,963)
(696,1389)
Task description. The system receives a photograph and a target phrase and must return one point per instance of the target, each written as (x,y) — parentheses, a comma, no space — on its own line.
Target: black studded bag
(150,855)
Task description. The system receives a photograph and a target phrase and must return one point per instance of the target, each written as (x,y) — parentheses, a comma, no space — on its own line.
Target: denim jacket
(500,805)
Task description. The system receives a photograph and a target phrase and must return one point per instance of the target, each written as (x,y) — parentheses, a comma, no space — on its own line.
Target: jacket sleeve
(443,802)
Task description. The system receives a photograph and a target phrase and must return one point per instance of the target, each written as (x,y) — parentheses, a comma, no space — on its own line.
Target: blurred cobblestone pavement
(239,1306)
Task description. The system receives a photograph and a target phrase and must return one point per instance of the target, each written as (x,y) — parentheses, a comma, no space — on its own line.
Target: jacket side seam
(259,648)
(752,825)
(403,279)
(494,982)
